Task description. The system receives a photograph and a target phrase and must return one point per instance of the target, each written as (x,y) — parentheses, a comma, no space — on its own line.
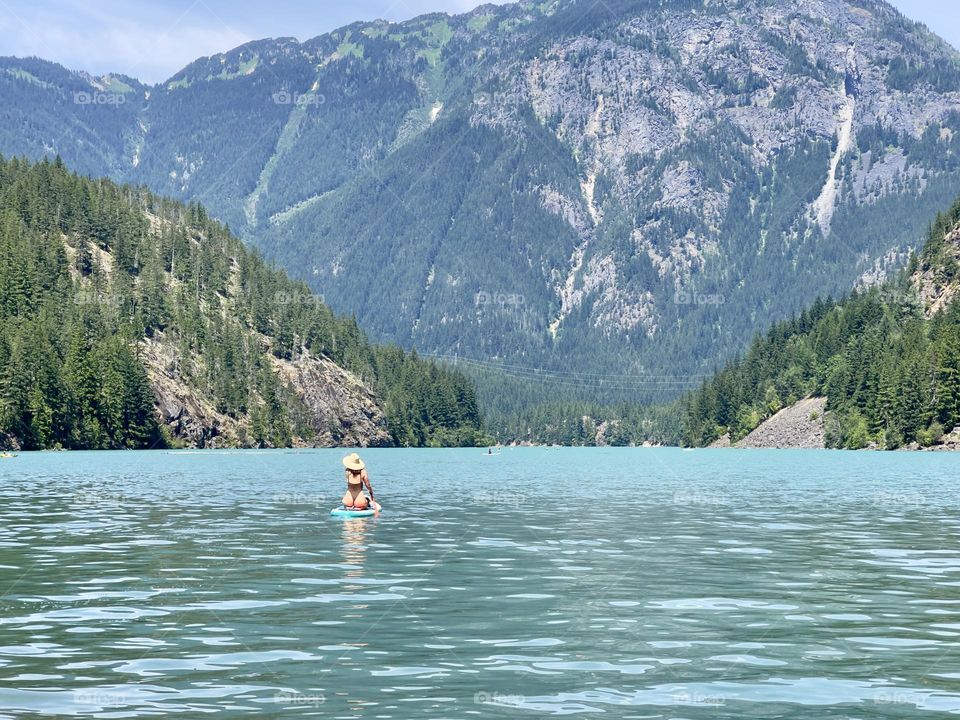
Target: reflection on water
(709,585)
(354,554)
(354,545)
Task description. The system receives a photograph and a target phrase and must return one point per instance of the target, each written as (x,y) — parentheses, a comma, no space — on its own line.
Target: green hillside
(887,359)
(98,280)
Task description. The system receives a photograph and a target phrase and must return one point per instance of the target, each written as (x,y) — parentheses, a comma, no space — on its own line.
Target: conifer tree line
(90,269)
(889,369)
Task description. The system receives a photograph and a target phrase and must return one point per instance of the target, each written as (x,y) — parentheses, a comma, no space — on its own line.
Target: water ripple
(711,585)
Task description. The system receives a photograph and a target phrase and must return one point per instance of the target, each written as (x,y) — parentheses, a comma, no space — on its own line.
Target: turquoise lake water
(621,583)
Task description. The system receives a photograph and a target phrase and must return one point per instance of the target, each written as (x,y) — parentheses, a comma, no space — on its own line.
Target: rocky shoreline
(801,427)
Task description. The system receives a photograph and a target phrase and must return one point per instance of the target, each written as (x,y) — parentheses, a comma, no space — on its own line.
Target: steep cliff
(340,409)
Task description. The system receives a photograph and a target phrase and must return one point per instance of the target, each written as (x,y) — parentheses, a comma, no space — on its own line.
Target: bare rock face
(344,411)
(948,443)
(800,78)
(721,442)
(935,291)
(187,414)
(781,73)
(798,426)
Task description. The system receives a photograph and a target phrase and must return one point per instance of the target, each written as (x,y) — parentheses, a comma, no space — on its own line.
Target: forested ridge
(91,272)
(886,358)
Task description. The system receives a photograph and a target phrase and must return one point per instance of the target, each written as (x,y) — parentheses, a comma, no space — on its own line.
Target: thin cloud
(123,49)
(150,51)
(153,41)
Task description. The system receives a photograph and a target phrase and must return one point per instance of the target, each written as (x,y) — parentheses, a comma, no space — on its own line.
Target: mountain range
(605,198)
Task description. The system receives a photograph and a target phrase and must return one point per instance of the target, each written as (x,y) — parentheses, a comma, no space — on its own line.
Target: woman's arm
(366,481)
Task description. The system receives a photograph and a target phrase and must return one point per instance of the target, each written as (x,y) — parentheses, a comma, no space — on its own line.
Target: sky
(153,39)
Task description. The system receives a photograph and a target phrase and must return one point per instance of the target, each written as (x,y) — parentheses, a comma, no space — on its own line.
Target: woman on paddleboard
(357,477)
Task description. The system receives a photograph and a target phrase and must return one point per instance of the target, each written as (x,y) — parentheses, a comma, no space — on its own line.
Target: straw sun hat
(353,462)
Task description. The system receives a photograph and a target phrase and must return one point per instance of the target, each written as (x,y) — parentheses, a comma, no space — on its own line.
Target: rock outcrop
(722,442)
(935,288)
(189,417)
(950,442)
(798,426)
(343,411)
